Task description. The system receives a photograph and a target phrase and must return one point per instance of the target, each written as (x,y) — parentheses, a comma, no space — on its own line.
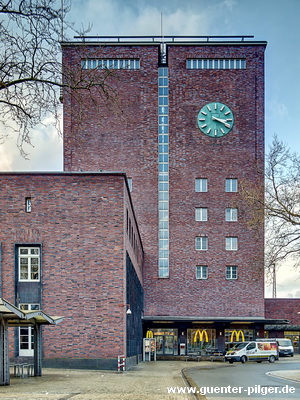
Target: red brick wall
(283,309)
(79,221)
(124,137)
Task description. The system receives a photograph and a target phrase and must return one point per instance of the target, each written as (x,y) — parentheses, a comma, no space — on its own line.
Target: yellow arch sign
(237,336)
(149,335)
(201,334)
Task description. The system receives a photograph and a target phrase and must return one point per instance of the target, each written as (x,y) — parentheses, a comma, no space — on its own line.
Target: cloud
(44,155)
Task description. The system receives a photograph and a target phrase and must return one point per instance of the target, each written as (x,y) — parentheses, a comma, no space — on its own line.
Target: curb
(191,383)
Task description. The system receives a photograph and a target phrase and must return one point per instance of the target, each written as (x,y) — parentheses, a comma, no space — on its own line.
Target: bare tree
(30,67)
(281,204)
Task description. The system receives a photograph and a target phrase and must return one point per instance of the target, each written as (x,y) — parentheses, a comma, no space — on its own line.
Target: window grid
(215,63)
(231,185)
(231,272)
(201,184)
(201,214)
(231,214)
(29,263)
(231,243)
(163,173)
(201,243)
(26,339)
(115,63)
(201,272)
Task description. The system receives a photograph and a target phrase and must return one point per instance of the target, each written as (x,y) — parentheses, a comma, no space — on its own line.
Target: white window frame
(201,272)
(28,204)
(27,332)
(231,214)
(231,272)
(201,243)
(29,256)
(201,214)
(201,185)
(231,185)
(231,243)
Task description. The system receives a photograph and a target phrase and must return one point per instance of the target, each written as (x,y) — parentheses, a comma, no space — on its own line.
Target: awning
(11,315)
(197,319)
(17,317)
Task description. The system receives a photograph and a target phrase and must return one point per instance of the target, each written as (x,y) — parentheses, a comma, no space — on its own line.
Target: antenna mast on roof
(163,54)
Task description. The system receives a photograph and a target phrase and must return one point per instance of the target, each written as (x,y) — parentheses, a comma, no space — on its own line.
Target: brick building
(186,124)
(171,236)
(70,244)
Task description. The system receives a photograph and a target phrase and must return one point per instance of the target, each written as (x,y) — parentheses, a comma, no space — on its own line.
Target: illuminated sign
(237,334)
(201,334)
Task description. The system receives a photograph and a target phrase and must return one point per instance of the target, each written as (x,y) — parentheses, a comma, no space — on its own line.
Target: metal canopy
(11,315)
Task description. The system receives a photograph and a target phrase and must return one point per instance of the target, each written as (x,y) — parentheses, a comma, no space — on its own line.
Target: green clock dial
(215,119)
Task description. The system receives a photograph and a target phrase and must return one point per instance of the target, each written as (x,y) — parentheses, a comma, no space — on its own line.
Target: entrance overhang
(11,315)
(230,320)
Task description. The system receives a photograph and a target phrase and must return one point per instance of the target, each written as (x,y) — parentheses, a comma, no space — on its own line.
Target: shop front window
(201,340)
(238,335)
(294,337)
(166,341)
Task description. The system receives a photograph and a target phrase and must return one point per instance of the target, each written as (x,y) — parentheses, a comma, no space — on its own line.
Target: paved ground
(148,381)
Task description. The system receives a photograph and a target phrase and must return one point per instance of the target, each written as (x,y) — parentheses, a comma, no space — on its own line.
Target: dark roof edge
(121,173)
(216,319)
(190,43)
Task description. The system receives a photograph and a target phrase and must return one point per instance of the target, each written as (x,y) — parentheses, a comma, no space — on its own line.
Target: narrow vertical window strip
(163,173)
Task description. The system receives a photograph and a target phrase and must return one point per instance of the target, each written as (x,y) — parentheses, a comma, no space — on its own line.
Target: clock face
(215,119)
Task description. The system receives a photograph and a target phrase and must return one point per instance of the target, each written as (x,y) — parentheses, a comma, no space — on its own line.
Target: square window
(201,243)
(201,272)
(201,184)
(231,272)
(231,185)
(231,214)
(231,243)
(201,214)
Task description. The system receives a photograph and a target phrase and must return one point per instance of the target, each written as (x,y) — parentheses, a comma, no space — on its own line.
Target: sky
(274,21)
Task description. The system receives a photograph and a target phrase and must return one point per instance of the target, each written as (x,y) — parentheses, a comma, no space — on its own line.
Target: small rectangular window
(201,214)
(231,243)
(201,272)
(129,181)
(231,214)
(231,272)
(28,204)
(201,243)
(231,185)
(201,184)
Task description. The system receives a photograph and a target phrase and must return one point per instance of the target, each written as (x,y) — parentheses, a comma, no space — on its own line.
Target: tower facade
(184,119)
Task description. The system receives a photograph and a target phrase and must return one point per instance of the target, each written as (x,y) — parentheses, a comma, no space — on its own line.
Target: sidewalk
(148,381)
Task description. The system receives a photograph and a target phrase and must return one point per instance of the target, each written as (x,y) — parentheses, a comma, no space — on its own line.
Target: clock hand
(223,121)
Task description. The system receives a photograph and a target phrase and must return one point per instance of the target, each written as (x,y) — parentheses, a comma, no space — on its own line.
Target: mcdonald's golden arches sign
(202,334)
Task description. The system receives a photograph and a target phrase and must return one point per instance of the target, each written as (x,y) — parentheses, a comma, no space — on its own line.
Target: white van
(285,346)
(253,351)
